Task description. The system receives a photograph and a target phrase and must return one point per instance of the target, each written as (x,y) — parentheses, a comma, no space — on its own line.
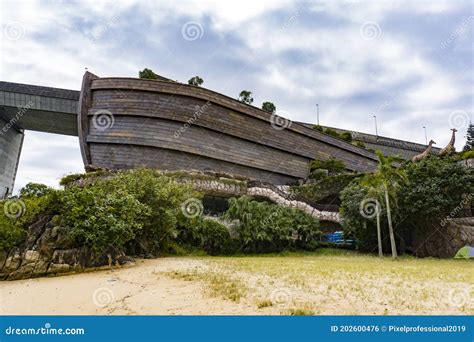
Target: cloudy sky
(408,62)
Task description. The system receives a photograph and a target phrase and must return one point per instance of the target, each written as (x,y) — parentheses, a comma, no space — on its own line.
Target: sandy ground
(330,285)
(142,289)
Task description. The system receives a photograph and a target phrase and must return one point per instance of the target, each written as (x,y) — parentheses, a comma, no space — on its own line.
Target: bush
(325,187)
(359,144)
(99,219)
(356,226)
(16,214)
(469,154)
(206,234)
(332,165)
(11,233)
(347,136)
(162,199)
(265,227)
(434,190)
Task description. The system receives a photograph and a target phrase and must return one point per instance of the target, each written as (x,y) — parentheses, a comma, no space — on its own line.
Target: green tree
(374,195)
(195,81)
(269,107)
(470,137)
(147,74)
(385,181)
(390,179)
(35,190)
(245,96)
(437,189)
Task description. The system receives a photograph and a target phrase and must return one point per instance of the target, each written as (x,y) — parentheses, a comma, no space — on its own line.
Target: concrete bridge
(28,107)
(53,110)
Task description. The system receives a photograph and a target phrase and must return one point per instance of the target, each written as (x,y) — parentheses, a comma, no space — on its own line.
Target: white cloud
(306,53)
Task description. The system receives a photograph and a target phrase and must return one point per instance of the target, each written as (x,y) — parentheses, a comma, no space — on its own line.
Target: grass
(264,304)
(341,282)
(217,284)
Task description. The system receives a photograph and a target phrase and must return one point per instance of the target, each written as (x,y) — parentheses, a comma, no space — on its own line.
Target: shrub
(332,165)
(162,197)
(100,219)
(11,233)
(359,144)
(207,234)
(331,132)
(16,214)
(434,190)
(356,226)
(347,136)
(469,154)
(324,187)
(265,227)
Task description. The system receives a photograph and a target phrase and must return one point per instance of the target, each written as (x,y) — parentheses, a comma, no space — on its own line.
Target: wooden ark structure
(126,123)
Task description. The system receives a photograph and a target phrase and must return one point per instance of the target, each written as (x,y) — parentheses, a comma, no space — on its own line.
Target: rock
(125,260)
(31,257)
(12,263)
(58,268)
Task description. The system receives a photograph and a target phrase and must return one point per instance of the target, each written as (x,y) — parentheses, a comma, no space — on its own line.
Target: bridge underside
(26,107)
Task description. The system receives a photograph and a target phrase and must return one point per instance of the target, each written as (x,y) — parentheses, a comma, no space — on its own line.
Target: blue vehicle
(337,238)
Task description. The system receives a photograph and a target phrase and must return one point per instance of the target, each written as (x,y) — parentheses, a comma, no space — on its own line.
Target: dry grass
(341,282)
(217,284)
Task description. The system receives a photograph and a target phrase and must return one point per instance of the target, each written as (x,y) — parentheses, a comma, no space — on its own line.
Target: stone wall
(444,242)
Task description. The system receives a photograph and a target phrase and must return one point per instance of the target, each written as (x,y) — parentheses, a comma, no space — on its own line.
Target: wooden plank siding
(173,126)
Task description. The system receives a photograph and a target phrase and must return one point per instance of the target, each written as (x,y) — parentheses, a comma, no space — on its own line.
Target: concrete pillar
(11,141)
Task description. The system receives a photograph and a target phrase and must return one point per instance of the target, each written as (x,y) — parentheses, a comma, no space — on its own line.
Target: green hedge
(265,227)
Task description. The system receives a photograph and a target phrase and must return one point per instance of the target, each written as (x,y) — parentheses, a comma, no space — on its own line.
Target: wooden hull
(127,123)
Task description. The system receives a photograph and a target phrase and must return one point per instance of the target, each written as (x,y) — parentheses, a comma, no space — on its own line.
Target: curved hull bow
(127,123)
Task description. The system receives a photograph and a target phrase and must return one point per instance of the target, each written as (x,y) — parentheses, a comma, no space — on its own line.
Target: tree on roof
(245,96)
(195,81)
(269,107)
(147,74)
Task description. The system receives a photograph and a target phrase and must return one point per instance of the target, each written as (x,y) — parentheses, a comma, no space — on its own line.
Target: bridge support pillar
(11,141)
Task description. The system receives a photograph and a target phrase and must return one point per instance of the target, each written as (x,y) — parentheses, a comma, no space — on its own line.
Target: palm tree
(372,183)
(386,180)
